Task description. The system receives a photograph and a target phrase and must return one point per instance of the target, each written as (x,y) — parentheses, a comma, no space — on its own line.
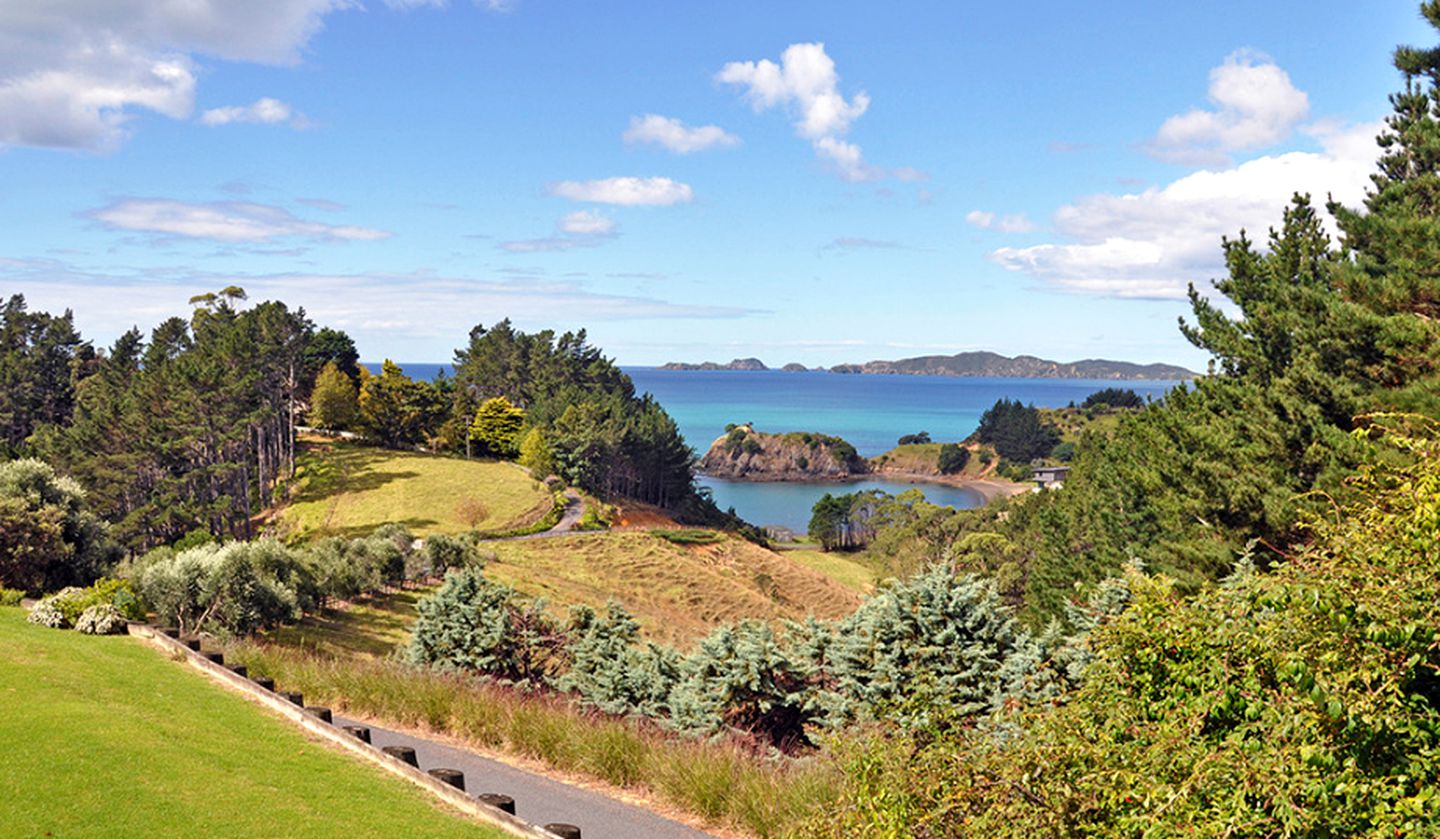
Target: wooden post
(294,696)
(563,830)
(264,682)
(321,712)
(239,670)
(217,657)
(404,753)
(503,803)
(170,632)
(453,777)
(362,733)
(191,644)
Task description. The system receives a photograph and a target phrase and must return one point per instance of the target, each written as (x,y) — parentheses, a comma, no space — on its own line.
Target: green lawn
(349,490)
(108,737)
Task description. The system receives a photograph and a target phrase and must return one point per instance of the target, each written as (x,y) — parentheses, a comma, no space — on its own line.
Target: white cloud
(628,192)
(1256,106)
(424,312)
(587,223)
(222,221)
(73,73)
(1151,244)
(806,84)
(1013,223)
(264,111)
(582,229)
(676,136)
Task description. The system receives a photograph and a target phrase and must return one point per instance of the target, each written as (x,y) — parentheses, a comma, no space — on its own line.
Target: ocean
(872,412)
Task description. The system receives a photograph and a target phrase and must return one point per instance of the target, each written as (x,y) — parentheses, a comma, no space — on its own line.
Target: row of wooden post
(406,754)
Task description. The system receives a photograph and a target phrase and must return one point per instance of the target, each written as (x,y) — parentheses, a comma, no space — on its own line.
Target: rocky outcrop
(978,364)
(746,454)
(794,367)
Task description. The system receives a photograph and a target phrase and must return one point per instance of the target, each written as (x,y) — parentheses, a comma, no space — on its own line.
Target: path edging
(276,703)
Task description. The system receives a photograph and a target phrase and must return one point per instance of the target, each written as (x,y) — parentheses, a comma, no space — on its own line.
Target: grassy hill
(349,490)
(676,592)
(104,736)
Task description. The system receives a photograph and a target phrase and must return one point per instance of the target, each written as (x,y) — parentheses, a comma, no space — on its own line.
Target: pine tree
(496,428)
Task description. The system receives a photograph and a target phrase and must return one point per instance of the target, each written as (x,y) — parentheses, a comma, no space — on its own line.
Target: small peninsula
(987,364)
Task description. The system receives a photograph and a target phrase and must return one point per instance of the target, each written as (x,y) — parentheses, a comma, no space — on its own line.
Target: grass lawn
(108,737)
(349,490)
(677,592)
(854,575)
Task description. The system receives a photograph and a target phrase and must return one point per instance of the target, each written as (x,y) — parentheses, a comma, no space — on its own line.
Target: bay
(870,411)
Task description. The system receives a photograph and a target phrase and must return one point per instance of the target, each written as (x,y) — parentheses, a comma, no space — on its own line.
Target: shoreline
(987,488)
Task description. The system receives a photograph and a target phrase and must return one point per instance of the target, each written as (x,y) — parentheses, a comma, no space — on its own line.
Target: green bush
(953,458)
(688,536)
(474,624)
(235,588)
(11,596)
(48,539)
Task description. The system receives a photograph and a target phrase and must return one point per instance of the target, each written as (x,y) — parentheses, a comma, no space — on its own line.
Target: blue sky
(812,182)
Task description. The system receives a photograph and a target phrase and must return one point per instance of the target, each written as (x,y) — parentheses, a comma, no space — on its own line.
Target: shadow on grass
(373,627)
(355,531)
(337,468)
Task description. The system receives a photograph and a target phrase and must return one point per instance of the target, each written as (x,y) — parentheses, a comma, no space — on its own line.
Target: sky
(812,182)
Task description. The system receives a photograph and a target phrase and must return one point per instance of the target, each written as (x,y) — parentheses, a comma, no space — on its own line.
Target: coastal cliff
(746,454)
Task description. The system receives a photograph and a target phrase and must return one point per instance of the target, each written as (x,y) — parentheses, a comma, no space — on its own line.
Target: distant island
(973,364)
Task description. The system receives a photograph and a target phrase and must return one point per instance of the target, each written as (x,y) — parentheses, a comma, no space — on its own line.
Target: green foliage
(1303,702)
(193,429)
(535,453)
(610,670)
(953,459)
(1016,431)
(496,428)
(474,624)
(11,596)
(48,536)
(1113,397)
(829,520)
(334,401)
(396,410)
(688,536)
(101,619)
(194,539)
(41,359)
(234,588)
(914,439)
(742,677)
(443,553)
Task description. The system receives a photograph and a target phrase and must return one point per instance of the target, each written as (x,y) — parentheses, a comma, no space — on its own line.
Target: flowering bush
(101,619)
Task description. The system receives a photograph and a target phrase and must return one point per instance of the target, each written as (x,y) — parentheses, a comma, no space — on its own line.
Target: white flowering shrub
(101,619)
(46,614)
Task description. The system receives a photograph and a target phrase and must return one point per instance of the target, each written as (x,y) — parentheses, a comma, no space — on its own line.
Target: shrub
(194,539)
(11,596)
(953,458)
(474,624)
(44,613)
(1113,397)
(101,619)
(688,536)
(236,588)
(608,669)
(47,537)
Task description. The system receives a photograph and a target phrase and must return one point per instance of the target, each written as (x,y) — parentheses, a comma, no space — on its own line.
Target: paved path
(538,800)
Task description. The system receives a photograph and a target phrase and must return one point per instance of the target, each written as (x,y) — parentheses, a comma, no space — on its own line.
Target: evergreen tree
(535,453)
(334,403)
(496,428)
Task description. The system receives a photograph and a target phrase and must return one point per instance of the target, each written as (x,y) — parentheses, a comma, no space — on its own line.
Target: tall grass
(718,780)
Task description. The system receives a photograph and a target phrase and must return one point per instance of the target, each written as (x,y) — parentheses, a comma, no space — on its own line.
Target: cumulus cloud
(1150,244)
(265,111)
(73,73)
(1256,105)
(232,222)
(582,229)
(627,192)
(1012,223)
(806,84)
(672,134)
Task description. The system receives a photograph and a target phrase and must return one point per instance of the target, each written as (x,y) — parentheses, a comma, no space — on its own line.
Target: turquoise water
(789,504)
(872,412)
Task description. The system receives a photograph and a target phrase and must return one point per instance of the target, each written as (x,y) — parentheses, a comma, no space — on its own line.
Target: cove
(788,504)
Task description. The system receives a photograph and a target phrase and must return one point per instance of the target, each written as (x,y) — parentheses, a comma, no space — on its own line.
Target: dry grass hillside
(678,593)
